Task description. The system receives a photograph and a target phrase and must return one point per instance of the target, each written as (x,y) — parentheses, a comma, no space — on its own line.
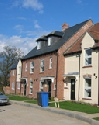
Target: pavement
(73,114)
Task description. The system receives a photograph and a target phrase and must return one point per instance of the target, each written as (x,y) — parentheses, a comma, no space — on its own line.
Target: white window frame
(32,67)
(87,57)
(13,86)
(31,87)
(25,67)
(18,85)
(41,86)
(13,73)
(49,41)
(42,66)
(38,45)
(50,63)
(87,88)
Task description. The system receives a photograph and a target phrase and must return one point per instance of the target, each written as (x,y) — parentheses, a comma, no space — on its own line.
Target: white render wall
(19,69)
(72,65)
(88,42)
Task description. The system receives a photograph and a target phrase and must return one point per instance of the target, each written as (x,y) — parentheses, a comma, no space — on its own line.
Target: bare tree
(9,56)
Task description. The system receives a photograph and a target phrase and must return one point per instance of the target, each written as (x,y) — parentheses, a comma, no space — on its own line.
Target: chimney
(65,26)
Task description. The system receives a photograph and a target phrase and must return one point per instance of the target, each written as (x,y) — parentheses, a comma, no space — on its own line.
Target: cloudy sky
(23,21)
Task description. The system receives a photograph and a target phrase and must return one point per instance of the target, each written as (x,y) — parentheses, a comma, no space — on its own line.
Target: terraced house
(82,68)
(43,67)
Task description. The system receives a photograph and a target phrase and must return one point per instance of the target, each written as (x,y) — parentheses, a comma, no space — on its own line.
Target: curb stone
(67,113)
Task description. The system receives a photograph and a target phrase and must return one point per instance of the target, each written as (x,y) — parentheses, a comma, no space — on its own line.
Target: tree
(9,56)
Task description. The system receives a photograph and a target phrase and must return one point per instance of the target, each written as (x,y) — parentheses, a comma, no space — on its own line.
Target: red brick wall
(36,76)
(61,59)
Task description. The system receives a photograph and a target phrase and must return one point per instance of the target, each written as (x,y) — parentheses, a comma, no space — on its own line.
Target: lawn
(96,118)
(74,106)
(67,105)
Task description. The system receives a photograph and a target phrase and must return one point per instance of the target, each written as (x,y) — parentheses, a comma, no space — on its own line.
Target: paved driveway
(21,115)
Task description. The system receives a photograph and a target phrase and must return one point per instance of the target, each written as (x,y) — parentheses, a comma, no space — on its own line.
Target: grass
(67,105)
(74,106)
(96,118)
(18,98)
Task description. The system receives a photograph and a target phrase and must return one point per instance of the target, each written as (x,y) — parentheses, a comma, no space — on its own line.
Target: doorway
(49,88)
(72,89)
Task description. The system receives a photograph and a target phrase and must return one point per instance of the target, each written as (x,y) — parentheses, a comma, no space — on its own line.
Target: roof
(55,33)
(68,33)
(14,66)
(76,47)
(94,31)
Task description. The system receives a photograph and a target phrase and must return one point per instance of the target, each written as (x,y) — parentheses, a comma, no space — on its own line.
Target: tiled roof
(14,66)
(68,33)
(94,31)
(76,47)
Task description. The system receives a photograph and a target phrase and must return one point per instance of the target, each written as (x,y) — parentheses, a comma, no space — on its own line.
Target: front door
(72,89)
(25,89)
(49,89)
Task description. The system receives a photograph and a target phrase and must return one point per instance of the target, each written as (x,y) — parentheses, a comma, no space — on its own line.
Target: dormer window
(49,41)
(39,45)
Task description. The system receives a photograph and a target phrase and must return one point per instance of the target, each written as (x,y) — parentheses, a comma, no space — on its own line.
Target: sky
(23,21)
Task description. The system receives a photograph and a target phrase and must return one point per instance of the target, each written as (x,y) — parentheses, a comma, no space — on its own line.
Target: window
(39,45)
(18,85)
(26,67)
(31,67)
(41,86)
(13,86)
(88,57)
(50,63)
(13,73)
(87,90)
(42,66)
(31,87)
(49,41)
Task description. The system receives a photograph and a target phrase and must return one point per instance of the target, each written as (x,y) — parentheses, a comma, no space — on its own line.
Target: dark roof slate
(14,66)
(68,33)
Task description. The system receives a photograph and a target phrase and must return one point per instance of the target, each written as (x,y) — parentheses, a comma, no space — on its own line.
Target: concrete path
(73,114)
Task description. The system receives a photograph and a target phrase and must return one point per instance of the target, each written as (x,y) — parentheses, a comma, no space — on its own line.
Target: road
(21,115)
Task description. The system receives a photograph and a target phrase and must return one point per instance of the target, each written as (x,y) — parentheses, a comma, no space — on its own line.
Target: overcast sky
(23,21)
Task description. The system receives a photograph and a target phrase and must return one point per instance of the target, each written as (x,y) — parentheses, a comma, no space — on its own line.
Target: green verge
(96,118)
(74,106)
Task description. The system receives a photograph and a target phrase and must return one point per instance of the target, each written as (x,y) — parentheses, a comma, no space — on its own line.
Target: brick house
(82,77)
(15,78)
(43,67)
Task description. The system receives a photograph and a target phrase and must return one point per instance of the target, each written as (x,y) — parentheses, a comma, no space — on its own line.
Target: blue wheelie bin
(42,99)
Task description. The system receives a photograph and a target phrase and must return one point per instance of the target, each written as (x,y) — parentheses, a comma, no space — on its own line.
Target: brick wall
(36,76)
(61,59)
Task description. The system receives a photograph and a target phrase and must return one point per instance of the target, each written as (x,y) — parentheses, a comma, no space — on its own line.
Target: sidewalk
(74,114)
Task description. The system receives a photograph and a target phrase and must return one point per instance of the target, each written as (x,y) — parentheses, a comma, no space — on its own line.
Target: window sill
(31,72)
(89,66)
(86,98)
(50,68)
(41,72)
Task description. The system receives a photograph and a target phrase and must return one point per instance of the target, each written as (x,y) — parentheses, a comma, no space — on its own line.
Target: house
(43,67)
(81,78)
(15,78)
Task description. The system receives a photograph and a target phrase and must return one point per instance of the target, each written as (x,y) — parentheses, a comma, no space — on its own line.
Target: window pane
(88,52)
(87,87)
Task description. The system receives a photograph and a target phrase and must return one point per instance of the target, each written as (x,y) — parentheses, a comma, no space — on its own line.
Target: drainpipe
(56,73)
(79,77)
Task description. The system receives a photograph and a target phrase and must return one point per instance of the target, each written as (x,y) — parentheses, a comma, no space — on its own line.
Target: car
(3,99)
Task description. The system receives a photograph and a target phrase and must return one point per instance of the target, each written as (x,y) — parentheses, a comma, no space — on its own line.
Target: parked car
(3,99)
